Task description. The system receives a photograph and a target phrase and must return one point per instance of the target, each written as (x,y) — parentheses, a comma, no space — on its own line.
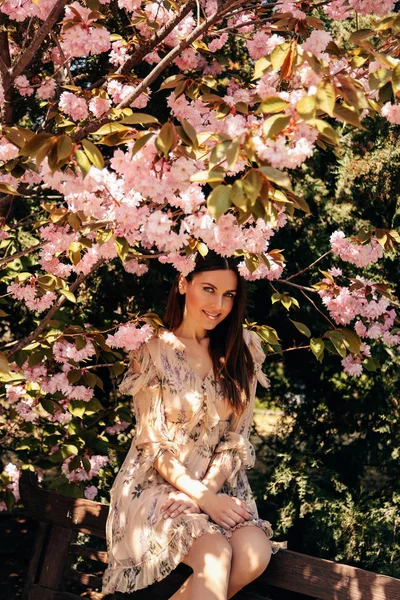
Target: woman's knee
(209,550)
(251,554)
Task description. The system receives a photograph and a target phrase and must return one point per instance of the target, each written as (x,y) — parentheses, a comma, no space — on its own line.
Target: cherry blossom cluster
(82,38)
(29,294)
(363,301)
(130,337)
(14,473)
(354,252)
(97,462)
(19,11)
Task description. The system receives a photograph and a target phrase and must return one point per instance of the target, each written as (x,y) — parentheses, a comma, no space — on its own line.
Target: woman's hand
(227,511)
(178,503)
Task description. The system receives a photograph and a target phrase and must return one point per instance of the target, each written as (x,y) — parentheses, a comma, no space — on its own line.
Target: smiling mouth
(211,316)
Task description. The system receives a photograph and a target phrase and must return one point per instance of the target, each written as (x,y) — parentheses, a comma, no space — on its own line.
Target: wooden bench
(62,521)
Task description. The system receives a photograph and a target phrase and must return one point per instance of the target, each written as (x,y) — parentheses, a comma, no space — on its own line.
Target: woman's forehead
(221,278)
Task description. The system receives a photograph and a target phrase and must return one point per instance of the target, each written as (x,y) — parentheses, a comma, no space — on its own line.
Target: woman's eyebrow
(215,287)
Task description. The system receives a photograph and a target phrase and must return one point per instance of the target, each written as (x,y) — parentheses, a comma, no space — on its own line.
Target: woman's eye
(230,295)
(208,288)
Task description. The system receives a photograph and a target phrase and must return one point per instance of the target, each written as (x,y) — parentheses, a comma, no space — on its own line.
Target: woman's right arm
(161,453)
(223,510)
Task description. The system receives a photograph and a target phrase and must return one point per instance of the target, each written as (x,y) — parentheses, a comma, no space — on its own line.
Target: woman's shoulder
(253,342)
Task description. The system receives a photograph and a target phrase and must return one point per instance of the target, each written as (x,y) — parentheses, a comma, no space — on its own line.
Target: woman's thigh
(251,553)
(208,549)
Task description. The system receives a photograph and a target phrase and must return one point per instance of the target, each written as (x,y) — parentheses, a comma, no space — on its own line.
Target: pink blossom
(119,53)
(28,294)
(74,106)
(263,43)
(358,254)
(15,393)
(13,472)
(47,89)
(317,41)
(64,351)
(129,336)
(117,427)
(90,492)
(135,267)
(335,272)
(25,410)
(23,86)
(187,60)
(391,112)
(76,475)
(130,5)
(352,365)
(218,42)
(7,150)
(98,106)
(274,271)
(183,264)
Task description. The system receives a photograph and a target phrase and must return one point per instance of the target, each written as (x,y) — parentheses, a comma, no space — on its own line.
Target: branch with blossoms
(179,134)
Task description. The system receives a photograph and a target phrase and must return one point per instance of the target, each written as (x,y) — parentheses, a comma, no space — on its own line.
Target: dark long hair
(232,362)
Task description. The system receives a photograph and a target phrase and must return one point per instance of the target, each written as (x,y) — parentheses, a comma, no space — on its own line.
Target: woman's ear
(182,284)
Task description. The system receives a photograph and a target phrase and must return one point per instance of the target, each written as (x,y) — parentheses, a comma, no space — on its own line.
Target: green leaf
(111,128)
(208,176)
(275,124)
(219,201)
(238,197)
(379,78)
(6,188)
(279,55)
(273,104)
(371,364)
(351,340)
(276,176)
(261,65)
(326,97)
(93,154)
(302,328)
(142,141)
(122,246)
(4,366)
(337,340)
(327,132)
(269,335)
(83,162)
(348,116)
(307,107)
(166,139)
(137,119)
(77,408)
(317,346)
(68,294)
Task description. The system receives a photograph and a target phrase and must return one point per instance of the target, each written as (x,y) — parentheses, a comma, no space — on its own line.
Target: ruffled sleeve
(235,452)
(151,434)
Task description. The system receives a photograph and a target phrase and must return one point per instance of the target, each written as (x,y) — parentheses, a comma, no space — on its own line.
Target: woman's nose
(217,302)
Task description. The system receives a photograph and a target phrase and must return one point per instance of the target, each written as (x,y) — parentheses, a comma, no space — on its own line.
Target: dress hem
(185,534)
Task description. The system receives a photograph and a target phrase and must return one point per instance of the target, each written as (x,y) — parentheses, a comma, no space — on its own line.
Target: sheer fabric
(175,410)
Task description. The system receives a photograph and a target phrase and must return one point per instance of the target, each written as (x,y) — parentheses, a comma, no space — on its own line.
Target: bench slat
(327,580)
(87,552)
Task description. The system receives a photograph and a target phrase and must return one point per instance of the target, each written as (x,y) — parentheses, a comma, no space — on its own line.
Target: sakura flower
(74,106)
(23,86)
(129,336)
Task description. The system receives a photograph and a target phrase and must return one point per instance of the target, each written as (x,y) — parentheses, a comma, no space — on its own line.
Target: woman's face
(209,296)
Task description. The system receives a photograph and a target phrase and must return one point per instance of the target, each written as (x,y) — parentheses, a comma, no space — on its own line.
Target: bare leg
(251,553)
(210,558)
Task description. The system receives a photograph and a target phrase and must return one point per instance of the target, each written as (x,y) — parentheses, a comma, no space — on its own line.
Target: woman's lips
(211,316)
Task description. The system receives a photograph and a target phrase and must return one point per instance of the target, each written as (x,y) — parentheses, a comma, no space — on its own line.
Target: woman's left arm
(235,451)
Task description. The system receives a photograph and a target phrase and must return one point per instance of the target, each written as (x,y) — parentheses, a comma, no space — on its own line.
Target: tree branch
(150,44)
(25,58)
(7,259)
(309,266)
(318,310)
(56,306)
(167,60)
(295,285)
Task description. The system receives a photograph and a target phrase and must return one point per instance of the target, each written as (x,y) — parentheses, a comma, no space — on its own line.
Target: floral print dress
(179,411)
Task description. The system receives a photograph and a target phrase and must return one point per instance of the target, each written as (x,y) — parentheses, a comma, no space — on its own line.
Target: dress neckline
(184,354)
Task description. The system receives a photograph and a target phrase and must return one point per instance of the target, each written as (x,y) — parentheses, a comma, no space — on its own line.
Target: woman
(181,494)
